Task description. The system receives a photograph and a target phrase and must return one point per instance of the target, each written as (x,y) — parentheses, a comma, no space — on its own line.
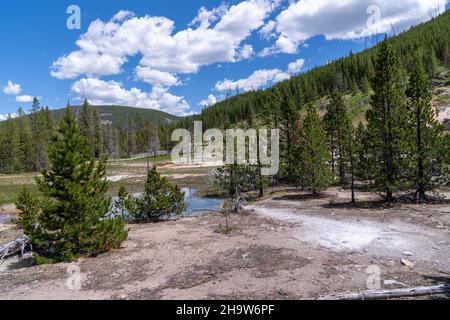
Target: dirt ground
(289,246)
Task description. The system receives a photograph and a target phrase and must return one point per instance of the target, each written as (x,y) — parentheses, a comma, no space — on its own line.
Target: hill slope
(118,115)
(349,75)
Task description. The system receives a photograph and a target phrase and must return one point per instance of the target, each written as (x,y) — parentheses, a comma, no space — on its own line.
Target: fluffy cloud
(246,52)
(12,89)
(100,92)
(155,77)
(349,19)
(106,46)
(205,17)
(24,99)
(259,79)
(4,117)
(268,31)
(214,36)
(211,100)
(296,66)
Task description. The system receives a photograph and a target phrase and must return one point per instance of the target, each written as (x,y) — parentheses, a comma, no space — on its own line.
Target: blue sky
(179,56)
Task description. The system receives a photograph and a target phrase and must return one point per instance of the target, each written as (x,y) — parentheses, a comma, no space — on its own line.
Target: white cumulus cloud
(296,66)
(12,88)
(346,19)
(214,36)
(24,99)
(211,100)
(261,78)
(156,77)
(217,37)
(258,79)
(100,92)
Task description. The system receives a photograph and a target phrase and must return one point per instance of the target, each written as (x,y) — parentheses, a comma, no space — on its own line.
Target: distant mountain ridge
(118,115)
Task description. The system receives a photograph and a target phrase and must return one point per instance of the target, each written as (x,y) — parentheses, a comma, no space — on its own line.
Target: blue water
(196,205)
(5,218)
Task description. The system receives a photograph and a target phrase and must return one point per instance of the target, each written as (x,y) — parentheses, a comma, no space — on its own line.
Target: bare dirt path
(289,246)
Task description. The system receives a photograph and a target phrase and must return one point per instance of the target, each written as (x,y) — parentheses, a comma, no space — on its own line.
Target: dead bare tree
(15,247)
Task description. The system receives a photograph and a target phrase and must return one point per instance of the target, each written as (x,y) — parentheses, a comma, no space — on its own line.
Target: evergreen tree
(86,121)
(26,143)
(338,126)
(363,161)
(429,165)
(388,128)
(316,173)
(124,203)
(160,200)
(73,218)
(97,144)
(352,162)
(10,148)
(288,120)
(130,137)
(45,127)
(37,134)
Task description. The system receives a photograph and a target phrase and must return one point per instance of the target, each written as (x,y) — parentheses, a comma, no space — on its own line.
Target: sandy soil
(289,246)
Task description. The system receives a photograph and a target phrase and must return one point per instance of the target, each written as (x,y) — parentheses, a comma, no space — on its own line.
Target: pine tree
(338,126)
(36,132)
(124,203)
(363,161)
(131,137)
(388,128)
(97,144)
(288,120)
(10,148)
(316,173)
(26,143)
(73,218)
(429,165)
(45,128)
(160,200)
(352,161)
(91,128)
(86,121)
(232,177)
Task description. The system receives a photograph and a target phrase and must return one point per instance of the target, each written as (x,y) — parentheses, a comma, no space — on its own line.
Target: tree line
(24,139)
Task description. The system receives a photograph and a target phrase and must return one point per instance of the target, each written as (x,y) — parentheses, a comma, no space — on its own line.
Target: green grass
(154,160)
(8,193)
(443,99)
(11,185)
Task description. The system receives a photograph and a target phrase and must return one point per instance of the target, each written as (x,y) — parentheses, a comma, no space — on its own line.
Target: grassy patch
(8,193)
(153,160)
(10,185)
(443,99)
(357,107)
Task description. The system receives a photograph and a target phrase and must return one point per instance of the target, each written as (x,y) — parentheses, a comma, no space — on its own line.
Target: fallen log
(15,247)
(389,294)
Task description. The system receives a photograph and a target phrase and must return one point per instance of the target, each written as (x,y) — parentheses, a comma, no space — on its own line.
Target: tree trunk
(421,185)
(389,294)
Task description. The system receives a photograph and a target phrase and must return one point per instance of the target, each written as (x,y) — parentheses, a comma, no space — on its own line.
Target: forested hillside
(118,115)
(351,74)
(112,131)
(368,118)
